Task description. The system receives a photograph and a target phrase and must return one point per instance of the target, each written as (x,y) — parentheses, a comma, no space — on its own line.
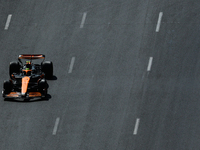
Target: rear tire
(14,68)
(47,68)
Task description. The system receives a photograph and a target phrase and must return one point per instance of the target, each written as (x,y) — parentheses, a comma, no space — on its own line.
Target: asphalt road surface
(126,74)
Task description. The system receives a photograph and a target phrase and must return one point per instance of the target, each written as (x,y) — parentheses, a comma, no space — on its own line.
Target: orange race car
(28,77)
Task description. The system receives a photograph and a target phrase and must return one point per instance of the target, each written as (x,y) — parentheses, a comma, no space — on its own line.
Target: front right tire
(42,86)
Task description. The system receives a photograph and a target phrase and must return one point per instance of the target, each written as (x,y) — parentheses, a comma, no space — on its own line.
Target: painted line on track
(136,126)
(56,126)
(8,22)
(71,65)
(83,19)
(150,63)
(159,21)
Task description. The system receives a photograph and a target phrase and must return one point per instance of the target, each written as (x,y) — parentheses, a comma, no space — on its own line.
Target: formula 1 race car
(28,77)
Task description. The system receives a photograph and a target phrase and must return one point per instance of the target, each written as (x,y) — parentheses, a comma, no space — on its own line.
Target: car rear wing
(31,56)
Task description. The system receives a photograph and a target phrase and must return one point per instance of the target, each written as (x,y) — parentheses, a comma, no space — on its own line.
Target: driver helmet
(28,64)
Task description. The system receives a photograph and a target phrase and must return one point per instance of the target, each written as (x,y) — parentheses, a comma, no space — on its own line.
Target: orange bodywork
(24,87)
(25,81)
(26,71)
(13,94)
(17,94)
(35,94)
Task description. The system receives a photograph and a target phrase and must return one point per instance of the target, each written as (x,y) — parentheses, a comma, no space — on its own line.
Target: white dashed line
(8,22)
(56,126)
(136,126)
(71,65)
(83,19)
(159,21)
(150,64)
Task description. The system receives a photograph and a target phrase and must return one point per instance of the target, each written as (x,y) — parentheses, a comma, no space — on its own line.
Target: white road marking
(71,65)
(150,64)
(56,126)
(159,21)
(83,19)
(136,126)
(8,22)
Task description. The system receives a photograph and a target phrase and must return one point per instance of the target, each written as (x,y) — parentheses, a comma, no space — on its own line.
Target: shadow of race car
(28,77)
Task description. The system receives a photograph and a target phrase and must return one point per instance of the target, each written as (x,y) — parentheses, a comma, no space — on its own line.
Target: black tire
(14,68)
(47,68)
(7,86)
(42,85)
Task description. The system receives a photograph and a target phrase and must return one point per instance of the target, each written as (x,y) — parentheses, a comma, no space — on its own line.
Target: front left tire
(7,87)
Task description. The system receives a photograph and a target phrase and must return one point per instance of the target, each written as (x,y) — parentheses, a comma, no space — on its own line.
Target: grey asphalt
(109,87)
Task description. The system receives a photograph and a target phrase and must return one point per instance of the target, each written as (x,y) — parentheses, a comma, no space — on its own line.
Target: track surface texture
(126,74)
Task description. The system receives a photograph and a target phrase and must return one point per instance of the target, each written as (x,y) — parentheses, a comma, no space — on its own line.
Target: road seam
(71,65)
(56,126)
(83,19)
(150,64)
(136,126)
(159,21)
(8,22)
